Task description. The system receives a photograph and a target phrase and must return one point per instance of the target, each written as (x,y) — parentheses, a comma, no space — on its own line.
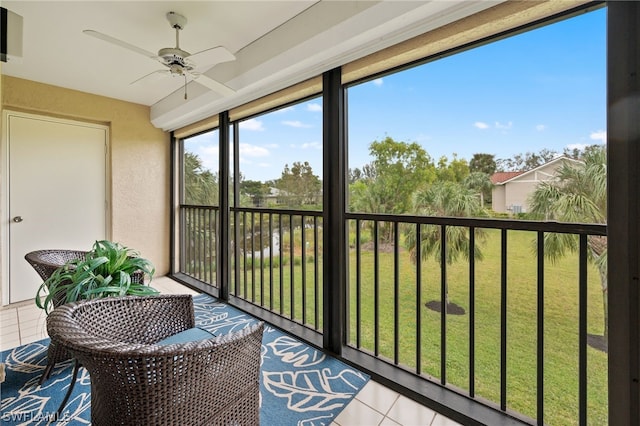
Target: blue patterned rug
(299,385)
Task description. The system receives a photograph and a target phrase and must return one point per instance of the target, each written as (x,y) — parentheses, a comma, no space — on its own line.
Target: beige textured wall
(518,192)
(139,160)
(498,199)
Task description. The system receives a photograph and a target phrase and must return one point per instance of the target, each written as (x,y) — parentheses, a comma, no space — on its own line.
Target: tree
(455,171)
(445,199)
(369,171)
(200,185)
(484,163)
(299,184)
(527,161)
(372,196)
(397,170)
(355,175)
(366,197)
(388,182)
(580,153)
(480,183)
(254,189)
(579,194)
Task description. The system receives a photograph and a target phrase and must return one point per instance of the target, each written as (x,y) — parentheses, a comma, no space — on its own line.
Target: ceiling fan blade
(205,59)
(120,43)
(155,73)
(212,84)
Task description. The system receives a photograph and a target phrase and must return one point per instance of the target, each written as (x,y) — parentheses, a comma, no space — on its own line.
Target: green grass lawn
(560,322)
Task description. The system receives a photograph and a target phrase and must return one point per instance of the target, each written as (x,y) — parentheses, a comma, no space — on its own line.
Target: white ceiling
(276,44)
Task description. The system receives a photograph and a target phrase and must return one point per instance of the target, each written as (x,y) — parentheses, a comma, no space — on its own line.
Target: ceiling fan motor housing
(175,56)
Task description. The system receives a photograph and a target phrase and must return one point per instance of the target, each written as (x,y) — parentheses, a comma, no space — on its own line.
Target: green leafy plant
(109,269)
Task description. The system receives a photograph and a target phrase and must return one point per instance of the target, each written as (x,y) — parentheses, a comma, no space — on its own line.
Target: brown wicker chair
(136,381)
(45,262)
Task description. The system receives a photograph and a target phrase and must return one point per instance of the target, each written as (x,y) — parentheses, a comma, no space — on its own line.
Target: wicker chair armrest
(123,322)
(139,356)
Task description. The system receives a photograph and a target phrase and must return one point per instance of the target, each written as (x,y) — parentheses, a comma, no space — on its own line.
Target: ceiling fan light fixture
(176,69)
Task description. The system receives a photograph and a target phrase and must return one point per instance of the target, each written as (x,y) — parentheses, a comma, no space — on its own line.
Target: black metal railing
(198,242)
(499,349)
(391,273)
(277,262)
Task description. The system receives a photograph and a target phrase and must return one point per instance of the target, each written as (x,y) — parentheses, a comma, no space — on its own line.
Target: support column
(623,144)
(222,272)
(334,207)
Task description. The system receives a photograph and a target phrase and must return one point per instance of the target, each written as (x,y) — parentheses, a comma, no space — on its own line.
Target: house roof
(518,175)
(500,177)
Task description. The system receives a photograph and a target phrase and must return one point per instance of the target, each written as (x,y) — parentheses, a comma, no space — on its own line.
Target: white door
(57,191)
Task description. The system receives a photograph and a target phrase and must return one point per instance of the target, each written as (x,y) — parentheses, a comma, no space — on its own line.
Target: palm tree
(481,183)
(579,194)
(372,196)
(200,188)
(200,184)
(450,199)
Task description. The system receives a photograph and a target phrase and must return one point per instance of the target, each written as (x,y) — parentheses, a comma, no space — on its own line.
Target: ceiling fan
(180,63)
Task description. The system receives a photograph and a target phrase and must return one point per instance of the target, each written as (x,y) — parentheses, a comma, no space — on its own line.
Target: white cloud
(272,145)
(296,123)
(252,124)
(541,127)
(248,150)
(497,125)
(578,146)
(314,107)
(600,135)
(286,109)
(378,82)
(209,156)
(314,145)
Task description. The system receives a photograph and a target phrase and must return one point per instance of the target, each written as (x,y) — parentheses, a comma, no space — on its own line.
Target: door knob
(17,219)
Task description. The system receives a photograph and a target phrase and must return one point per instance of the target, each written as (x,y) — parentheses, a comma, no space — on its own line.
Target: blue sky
(542,89)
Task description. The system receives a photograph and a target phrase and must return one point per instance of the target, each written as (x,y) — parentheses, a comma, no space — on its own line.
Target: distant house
(275,196)
(512,189)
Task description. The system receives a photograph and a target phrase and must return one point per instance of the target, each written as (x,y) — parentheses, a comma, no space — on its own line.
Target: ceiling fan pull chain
(185,87)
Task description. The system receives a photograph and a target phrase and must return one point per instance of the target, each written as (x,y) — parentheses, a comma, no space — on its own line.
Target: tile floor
(375,404)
